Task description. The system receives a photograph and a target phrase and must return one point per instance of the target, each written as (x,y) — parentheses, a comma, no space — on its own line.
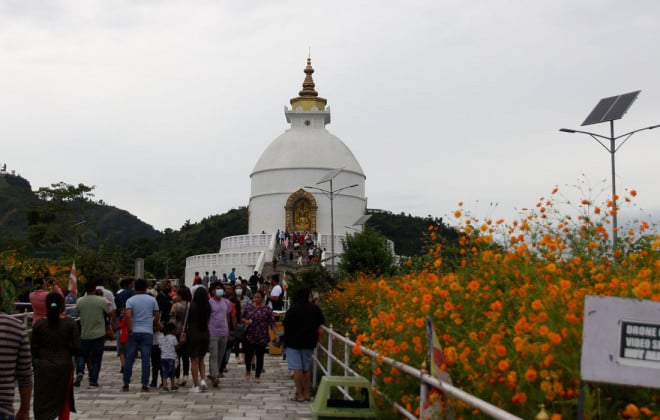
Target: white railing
(26,317)
(266,256)
(426,381)
(255,240)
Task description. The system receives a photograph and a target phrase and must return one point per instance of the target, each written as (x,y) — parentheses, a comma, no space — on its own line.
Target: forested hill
(64,220)
(407,231)
(16,197)
(45,227)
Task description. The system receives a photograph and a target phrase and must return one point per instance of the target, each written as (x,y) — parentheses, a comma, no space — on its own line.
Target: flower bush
(509,312)
(14,269)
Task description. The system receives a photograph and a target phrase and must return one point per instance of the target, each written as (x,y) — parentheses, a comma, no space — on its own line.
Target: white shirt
(276,291)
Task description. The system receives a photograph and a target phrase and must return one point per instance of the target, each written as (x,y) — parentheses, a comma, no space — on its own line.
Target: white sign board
(621,341)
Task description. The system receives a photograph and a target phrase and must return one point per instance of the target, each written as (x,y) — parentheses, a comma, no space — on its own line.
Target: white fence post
(347,356)
(329,362)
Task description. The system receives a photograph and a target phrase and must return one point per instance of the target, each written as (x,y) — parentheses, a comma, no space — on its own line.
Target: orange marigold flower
(519,398)
(374,322)
(631,411)
(555,416)
(537,305)
(554,338)
(419,322)
(544,330)
(387,379)
(496,306)
(450,354)
(503,365)
(645,411)
(643,290)
(473,285)
(531,374)
(500,350)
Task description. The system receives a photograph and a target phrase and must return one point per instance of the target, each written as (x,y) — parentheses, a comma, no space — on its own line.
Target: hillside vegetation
(66,222)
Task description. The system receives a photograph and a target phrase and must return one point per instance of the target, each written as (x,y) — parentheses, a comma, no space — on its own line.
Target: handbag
(239,331)
(183,337)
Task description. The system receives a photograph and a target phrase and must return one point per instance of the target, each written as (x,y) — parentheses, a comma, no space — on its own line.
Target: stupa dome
(297,159)
(305,148)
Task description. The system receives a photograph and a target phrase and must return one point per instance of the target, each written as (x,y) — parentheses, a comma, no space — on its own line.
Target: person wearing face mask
(244,299)
(223,319)
(230,293)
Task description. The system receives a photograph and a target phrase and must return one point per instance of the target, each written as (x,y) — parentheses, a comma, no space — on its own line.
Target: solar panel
(362,220)
(611,108)
(330,175)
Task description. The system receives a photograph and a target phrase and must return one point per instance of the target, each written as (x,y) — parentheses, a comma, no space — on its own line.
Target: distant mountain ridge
(107,223)
(107,229)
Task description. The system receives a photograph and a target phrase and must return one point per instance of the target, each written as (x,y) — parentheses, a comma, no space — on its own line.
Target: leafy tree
(366,252)
(61,207)
(313,276)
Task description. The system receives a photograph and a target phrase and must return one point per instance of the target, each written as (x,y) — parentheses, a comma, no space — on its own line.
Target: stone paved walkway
(233,399)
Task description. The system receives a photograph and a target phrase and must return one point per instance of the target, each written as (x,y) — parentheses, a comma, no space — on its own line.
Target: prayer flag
(73,280)
(435,398)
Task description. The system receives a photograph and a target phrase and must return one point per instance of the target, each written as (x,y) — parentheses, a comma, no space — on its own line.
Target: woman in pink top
(223,319)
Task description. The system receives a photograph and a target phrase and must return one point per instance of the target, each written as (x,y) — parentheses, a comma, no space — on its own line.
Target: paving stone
(234,399)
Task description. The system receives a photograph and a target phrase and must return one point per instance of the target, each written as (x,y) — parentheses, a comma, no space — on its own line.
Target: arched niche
(300,210)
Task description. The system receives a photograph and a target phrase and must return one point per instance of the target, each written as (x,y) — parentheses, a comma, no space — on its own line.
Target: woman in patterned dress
(258,317)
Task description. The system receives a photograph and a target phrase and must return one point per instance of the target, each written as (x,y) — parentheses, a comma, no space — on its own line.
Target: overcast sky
(165,106)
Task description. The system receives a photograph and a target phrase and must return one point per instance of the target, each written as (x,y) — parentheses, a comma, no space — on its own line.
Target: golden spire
(309,97)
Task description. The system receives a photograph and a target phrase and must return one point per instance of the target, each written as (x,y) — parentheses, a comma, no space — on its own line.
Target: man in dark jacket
(301,333)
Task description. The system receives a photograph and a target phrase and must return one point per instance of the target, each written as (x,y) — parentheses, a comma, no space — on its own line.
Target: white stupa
(281,198)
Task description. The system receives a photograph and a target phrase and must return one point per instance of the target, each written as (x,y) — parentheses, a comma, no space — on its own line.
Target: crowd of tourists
(298,248)
(170,330)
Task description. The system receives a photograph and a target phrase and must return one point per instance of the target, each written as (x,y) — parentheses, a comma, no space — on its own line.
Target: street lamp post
(167,266)
(76,225)
(612,149)
(331,195)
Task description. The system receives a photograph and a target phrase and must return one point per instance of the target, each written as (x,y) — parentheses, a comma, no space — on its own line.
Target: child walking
(168,344)
(123,338)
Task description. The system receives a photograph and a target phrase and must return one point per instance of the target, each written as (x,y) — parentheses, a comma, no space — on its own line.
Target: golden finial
(309,97)
(308,85)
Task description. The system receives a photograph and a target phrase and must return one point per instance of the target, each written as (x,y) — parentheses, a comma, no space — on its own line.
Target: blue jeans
(91,351)
(143,342)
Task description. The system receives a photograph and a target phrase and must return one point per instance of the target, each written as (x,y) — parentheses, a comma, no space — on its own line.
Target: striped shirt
(15,361)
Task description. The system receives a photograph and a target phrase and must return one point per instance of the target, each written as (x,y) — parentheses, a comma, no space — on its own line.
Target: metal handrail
(26,316)
(426,381)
